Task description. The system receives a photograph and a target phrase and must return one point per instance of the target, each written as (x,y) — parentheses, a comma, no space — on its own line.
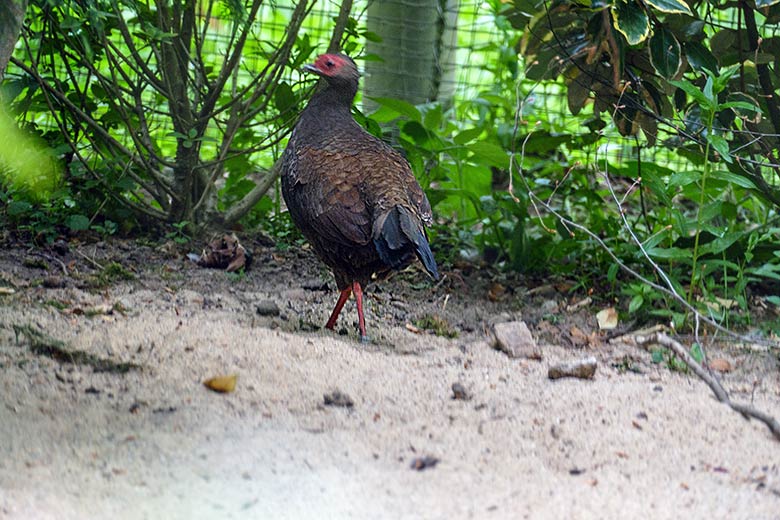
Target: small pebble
(267,308)
(53,282)
(459,392)
(421,463)
(337,398)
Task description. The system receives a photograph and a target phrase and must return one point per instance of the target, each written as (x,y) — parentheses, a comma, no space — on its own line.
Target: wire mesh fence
(459,56)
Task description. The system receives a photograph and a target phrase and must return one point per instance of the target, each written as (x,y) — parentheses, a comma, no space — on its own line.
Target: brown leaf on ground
(496,292)
(581,368)
(225,252)
(720,365)
(222,384)
(607,318)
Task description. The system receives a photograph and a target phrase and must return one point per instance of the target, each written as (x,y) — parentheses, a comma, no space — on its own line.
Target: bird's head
(335,68)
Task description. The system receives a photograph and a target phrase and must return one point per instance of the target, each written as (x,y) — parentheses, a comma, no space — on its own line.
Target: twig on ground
(747,411)
(90,260)
(52,259)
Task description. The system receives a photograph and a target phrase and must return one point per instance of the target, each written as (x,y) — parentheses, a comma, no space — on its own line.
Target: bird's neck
(334,97)
(328,111)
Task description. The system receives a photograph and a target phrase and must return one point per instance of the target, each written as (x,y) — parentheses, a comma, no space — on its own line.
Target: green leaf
(371,36)
(400,107)
(18,207)
(665,53)
(693,91)
(433,117)
(467,135)
(765,271)
(696,353)
(720,244)
(700,57)
(672,6)
(636,303)
(631,21)
(490,153)
(284,97)
(721,145)
(77,222)
(657,356)
(739,104)
(612,272)
(669,253)
(733,178)
(707,91)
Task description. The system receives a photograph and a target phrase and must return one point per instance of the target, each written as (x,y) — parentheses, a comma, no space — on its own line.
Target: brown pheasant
(352,196)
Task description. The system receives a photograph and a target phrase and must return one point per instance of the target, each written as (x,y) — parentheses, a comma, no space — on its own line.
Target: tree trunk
(416,49)
(11,21)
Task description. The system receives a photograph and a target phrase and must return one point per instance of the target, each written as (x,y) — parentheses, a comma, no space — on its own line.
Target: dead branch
(720,393)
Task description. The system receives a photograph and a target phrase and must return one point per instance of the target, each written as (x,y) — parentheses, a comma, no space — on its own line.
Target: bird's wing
(326,186)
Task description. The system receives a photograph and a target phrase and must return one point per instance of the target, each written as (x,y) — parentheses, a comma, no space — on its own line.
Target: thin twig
(720,393)
(90,260)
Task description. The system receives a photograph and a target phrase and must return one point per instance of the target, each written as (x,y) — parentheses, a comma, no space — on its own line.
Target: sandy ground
(76,442)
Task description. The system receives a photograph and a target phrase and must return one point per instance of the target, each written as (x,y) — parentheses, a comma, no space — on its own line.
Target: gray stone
(514,339)
(267,308)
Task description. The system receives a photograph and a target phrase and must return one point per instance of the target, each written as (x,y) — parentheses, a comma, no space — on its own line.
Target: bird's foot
(365,339)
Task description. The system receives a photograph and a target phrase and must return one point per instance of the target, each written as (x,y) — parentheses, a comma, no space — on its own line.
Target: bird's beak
(312,68)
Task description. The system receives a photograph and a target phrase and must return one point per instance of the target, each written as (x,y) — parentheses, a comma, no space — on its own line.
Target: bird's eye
(329,63)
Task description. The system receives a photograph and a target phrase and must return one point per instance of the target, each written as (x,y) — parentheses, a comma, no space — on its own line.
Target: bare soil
(104,414)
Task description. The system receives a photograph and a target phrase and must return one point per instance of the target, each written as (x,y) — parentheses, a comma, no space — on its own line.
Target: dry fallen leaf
(6,291)
(720,365)
(496,292)
(607,318)
(578,336)
(222,384)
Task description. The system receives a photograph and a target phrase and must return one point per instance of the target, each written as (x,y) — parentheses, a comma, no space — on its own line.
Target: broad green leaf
(467,135)
(720,244)
(284,97)
(739,104)
(669,253)
(18,207)
(491,153)
(433,117)
(684,178)
(400,107)
(696,353)
(77,222)
(672,6)
(631,20)
(665,53)
(733,178)
(766,271)
(693,91)
(721,145)
(721,81)
(700,57)
(635,304)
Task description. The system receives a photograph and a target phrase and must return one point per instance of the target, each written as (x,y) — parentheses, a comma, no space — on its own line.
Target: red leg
(361,319)
(343,297)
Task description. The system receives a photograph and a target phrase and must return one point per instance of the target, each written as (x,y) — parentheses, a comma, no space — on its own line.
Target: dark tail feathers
(399,237)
